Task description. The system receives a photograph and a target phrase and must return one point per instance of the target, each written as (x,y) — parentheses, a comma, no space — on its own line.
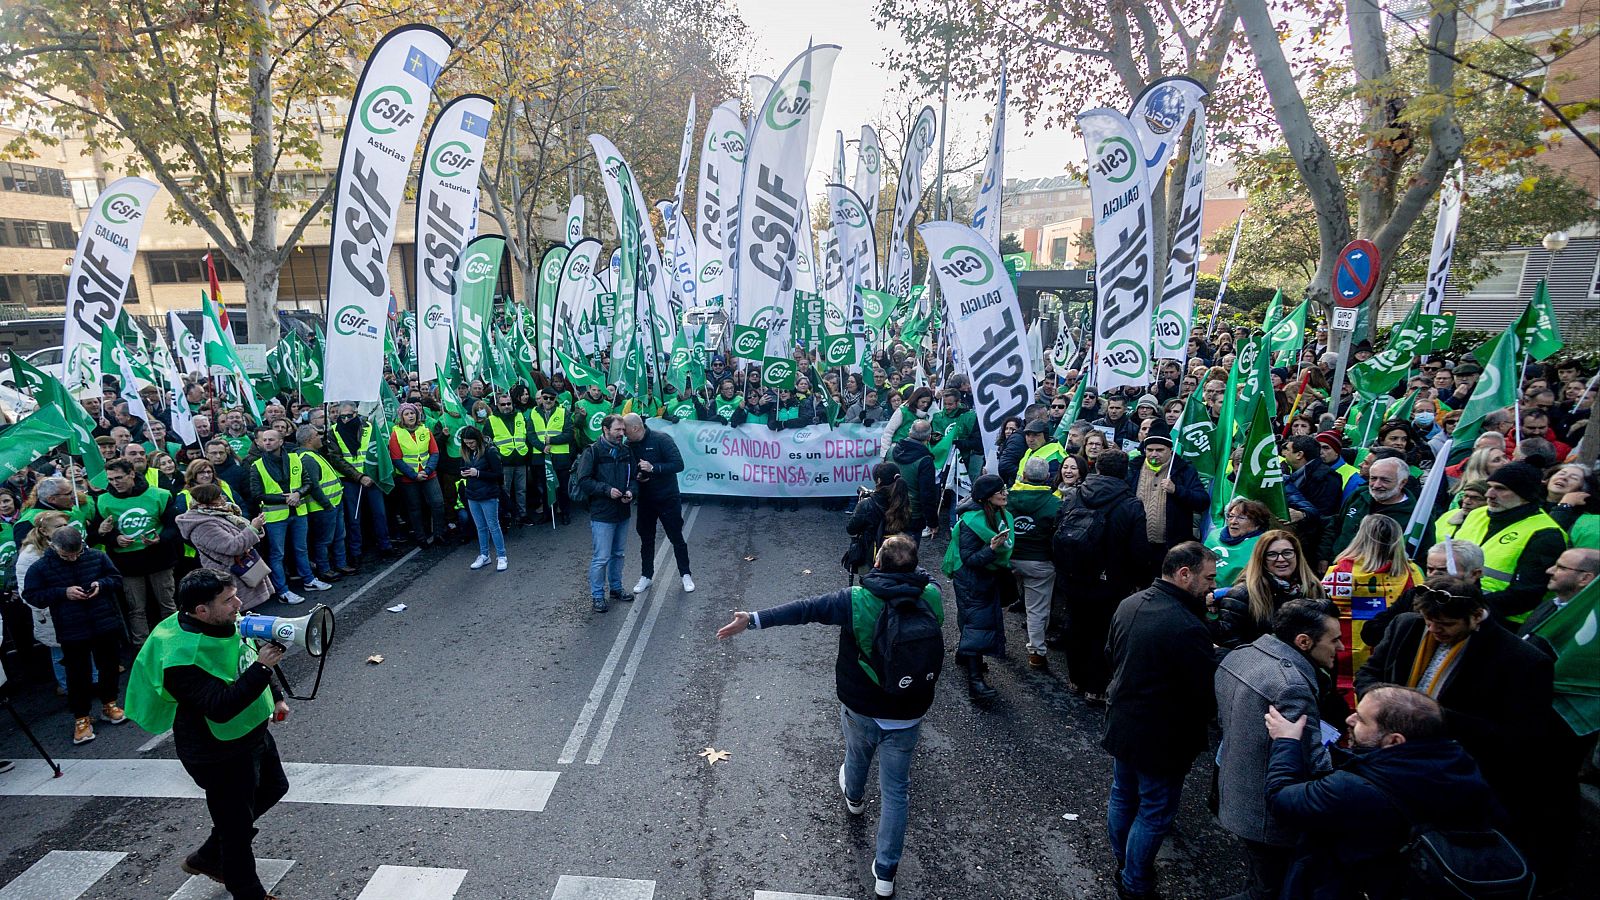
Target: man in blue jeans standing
(606,476)
(1161,703)
(874,721)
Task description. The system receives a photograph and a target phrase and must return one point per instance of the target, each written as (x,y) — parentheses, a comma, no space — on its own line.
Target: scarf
(979,523)
(1421,678)
(1154,501)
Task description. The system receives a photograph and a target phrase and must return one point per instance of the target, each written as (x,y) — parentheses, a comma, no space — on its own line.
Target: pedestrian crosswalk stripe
(787,895)
(412,883)
(61,875)
(503,789)
(199,887)
(584,887)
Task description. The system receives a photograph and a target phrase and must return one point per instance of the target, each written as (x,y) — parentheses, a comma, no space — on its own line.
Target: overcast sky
(861,82)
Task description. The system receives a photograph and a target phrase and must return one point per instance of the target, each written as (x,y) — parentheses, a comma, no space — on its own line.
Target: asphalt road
(513,671)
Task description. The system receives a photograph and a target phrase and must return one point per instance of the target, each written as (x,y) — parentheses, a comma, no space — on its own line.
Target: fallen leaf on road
(712,755)
(374,659)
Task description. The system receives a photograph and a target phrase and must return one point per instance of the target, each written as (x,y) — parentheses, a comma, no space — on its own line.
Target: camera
(863,493)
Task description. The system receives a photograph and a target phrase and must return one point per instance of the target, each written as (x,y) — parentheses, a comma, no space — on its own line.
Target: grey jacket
(1264,673)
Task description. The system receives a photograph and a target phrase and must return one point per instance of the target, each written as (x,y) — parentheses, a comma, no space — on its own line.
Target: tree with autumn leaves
(196,93)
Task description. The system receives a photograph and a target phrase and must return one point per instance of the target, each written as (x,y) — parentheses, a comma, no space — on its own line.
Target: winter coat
(978,588)
(1496,698)
(1355,821)
(486,485)
(1342,530)
(220,536)
(44,627)
(921,480)
(855,690)
(1162,666)
(1262,674)
(1125,430)
(76,620)
(660,484)
(1236,626)
(1035,510)
(1189,498)
(1009,458)
(1116,568)
(606,466)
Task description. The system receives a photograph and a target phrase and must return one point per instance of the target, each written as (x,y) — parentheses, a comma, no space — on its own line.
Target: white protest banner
(380,138)
(869,171)
(574,220)
(186,345)
(575,292)
(651,304)
(1170,327)
(773,198)
(1124,250)
(447,203)
(721,169)
(986,217)
(754,461)
(907,197)
(1444,241)
(102,269)
(1158,115)
(981,310)
(851,226)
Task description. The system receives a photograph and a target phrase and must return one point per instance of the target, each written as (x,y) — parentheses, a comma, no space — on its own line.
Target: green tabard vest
(169,645)
(77,516)
(137,517)
(865,610)
(241,445)
(682,410)
(726,408)
(8,552)
(590,414)
(975,520)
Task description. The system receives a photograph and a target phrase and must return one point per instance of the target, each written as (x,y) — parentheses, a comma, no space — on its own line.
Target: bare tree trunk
(1311,156)
(261,281)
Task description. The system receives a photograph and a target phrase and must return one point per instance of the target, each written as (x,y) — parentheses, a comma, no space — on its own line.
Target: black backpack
(584,468)
(1080,532)
(907,647)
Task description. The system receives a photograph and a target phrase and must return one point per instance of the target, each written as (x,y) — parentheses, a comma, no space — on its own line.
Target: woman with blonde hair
(1482,461)
(1364,580)
(28,552)
(1276,572)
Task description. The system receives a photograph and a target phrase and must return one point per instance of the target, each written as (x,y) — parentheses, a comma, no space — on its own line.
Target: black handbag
(1461,865)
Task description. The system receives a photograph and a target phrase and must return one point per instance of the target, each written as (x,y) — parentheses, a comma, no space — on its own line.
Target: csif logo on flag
(961,262)
(1264,459)
(778,371)
(579,268)
(748,342)
(788,105)
(476,268)
(838,350)
(869,155)
(1115,159)
(1197,437)
(450,159)
(353,320)
(434,315)
(552,269)
(711,271)
(1126,358)
(120,208)
(850,213)
(733,144)
(387,109)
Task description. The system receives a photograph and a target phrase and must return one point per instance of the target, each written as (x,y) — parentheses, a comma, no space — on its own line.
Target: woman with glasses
(1365,579)
(1093,443)
(1276,573)
(1245,522)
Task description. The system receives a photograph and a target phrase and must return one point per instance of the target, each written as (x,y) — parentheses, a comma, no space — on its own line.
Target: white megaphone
(312,633)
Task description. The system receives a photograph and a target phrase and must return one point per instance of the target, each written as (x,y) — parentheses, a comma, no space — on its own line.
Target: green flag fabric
(1496,387)
(1288,334)
(1574,633)
(31,438)
(1195,438)
(580,373)
(1260,474)
(1274,311)
(221,357)
(1536,327)
(48,391)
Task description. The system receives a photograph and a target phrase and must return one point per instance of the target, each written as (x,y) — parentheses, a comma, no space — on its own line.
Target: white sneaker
(293,599)
(688,584)
(317,584)
(480,562)
(642,586)
(855,808)
(880,887)
(500,564)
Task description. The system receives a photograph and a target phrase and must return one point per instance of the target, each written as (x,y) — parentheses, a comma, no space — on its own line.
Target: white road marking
(602,682)
(416,786)
(413,883)
(787,895)
(156,741)
(199,887)
(584,887)
(61,875)
(602,738)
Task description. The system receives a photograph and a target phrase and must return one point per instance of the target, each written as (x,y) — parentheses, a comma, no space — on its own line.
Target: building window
(25,179)
(186,267)
(37,235)
(1528,7)
(1507,278)
(85,191)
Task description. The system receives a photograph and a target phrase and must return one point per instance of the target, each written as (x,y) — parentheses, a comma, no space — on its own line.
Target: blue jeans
(293,531)
(863,738)
(328,538)
(363,502)
(610,545)
(486,518)
(1138,817)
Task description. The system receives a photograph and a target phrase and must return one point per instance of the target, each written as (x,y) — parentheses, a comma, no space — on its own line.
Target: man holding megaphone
(197,676)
